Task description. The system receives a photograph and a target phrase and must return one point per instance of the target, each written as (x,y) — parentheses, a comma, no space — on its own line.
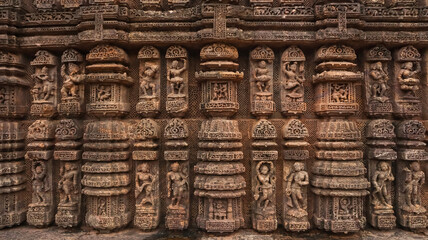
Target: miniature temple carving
(295,176)
(338,182)
(145,156)
(149,74)
(218,183)
(380,135)
(292,81)
(177,77)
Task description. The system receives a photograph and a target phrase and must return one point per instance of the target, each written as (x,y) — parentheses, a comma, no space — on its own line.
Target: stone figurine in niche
(177,184)
(295,181)
(379,76)
(408,78)
(219,92)
(262,77)
(381,195)
(43,89)
(174,77)
(148,77)
(68,183)
(177,81)
(103,93)
(144,185)
(414,179)
(294,78)
(40,182)
(265,184)
(72,78)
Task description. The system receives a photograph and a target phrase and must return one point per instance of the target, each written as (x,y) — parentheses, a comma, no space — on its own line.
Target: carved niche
(71,4)
(72,90)
(264,157)
(108,80)
(377,87)
(45,89)
(41,210)
(261,81)
(145,156)
(218,182)
(151,4)
(295,176)
(13,86)
(412,157)
(407,82)
(292,81)
(177,177)
(381,155)
(149,74)
(177,102)
(67,150)
(178,3)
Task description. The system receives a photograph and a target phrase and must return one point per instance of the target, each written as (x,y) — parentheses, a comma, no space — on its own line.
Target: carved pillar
(218,183)
(145,156)
(13,105)
(296,178)
(410,176)
(338,182)
(149,74)
(40,153)
(380,135)
(106,177)
(177,102)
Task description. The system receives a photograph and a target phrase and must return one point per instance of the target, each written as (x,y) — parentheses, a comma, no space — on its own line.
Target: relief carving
(177,77)
(149,73)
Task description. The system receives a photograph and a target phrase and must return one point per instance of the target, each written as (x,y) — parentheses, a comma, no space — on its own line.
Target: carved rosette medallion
(177,177)
(261,81)
(177,102)
(149,85)
(106,181)
(45,89)
(146,156)
(407,82)
(292,81)
(218,182)
(41,210)
(295,176)
(380,135)
(72,90)
(377,82)
(68,134)
(264,157)
(412,158)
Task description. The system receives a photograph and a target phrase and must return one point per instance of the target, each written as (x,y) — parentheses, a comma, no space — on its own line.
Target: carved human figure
(339,93)
(220,212)
(265,185)
(220,92)
(147,82)
(144,185)
(381,195)
(103,93)
(44,87)
(293,84)
(39,181)
(379,85)
(295,182)
(174,77)
(415,178)
(408,79)
(68,183)
(70,87)
(262,77)
(177,184)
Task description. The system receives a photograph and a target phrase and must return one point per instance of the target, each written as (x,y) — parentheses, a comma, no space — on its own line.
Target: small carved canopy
(175,52)
(219,51)
(146,129)
(411,129)
(378,53)
(335,52)
(68,129)
(41,130)
(294,129)
(43,58)
(8,58)
(176,129)
(263,129)
(262,53)
(71,55)
(293,54)
(148,52)
(105,53)
(408,54)
(380,129)
(106,131)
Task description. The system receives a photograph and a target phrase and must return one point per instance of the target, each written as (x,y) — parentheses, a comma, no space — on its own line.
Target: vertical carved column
(13,105)
(338,183)
(40,153)
(292,79)
(177,102)
(67,150)
(218,183)
(410,176)
(380,153)
(296,178)
(145,156)
(149,74)
(106,177)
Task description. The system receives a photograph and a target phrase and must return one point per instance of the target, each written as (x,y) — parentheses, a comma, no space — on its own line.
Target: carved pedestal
(145,156)
(380,133)
(149,73)
(295,177)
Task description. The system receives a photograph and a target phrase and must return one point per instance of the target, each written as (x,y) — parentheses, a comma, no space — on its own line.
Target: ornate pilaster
(149,73)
